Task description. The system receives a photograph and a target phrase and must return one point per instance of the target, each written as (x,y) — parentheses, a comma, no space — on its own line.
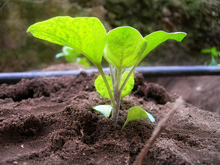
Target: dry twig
(159,128)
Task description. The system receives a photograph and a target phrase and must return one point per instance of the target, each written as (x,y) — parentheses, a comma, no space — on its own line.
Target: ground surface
(49,121)
(200,91)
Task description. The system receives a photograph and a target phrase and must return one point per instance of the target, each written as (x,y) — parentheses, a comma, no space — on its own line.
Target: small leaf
(104,109)
(101,88)
(214,51)
(124,47)
(129,85)
(70,58)
(206,51)
(137,113)
(156,38)
(70,54)
(83,61)
(85,34)
(59,55)
(68,51)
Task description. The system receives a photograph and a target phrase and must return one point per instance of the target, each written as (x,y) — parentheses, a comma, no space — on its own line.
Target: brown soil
(49,121)
(202,92)
(68,66)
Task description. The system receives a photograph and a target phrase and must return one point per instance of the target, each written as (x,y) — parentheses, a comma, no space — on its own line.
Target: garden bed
(49,121)
(200,91)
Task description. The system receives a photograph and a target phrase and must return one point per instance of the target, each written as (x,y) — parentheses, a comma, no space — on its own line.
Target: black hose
(155,71)
(166,71)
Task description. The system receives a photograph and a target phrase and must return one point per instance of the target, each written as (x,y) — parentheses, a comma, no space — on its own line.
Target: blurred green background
(20,51)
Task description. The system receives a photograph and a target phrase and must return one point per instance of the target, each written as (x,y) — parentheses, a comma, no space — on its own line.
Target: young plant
(72,55)
(214,53)
(123,47)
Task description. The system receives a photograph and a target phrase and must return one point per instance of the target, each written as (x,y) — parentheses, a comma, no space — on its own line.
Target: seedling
(73,55)
(123,47)
(214,53)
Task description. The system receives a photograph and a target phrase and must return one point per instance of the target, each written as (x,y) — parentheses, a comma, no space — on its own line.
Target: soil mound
(202,92)
(50,121)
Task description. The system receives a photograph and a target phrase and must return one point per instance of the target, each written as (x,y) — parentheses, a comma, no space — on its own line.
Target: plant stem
(111,67)
(117,93)
(116,100)
(107,85)
(115,112)
(128,76)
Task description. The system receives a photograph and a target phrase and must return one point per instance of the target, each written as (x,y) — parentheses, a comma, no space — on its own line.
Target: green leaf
(129,85)
(59,55)
(85,34)
(124,47)
(70,58)
(214,51)
(135,113)
(83,61)
(156,38)
(206,51)
(104,109)
(101,88)
(70,54)
(68,51)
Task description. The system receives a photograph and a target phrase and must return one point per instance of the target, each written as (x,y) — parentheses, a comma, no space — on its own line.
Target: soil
(67,66)
(50,121)
(200,91)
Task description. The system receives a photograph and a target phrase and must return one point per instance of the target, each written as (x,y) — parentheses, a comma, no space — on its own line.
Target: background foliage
(199,18)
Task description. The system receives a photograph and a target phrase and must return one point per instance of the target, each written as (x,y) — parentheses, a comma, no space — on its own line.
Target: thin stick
(159,128)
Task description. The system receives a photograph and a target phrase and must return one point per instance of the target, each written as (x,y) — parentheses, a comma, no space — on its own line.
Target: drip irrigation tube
(155,71)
